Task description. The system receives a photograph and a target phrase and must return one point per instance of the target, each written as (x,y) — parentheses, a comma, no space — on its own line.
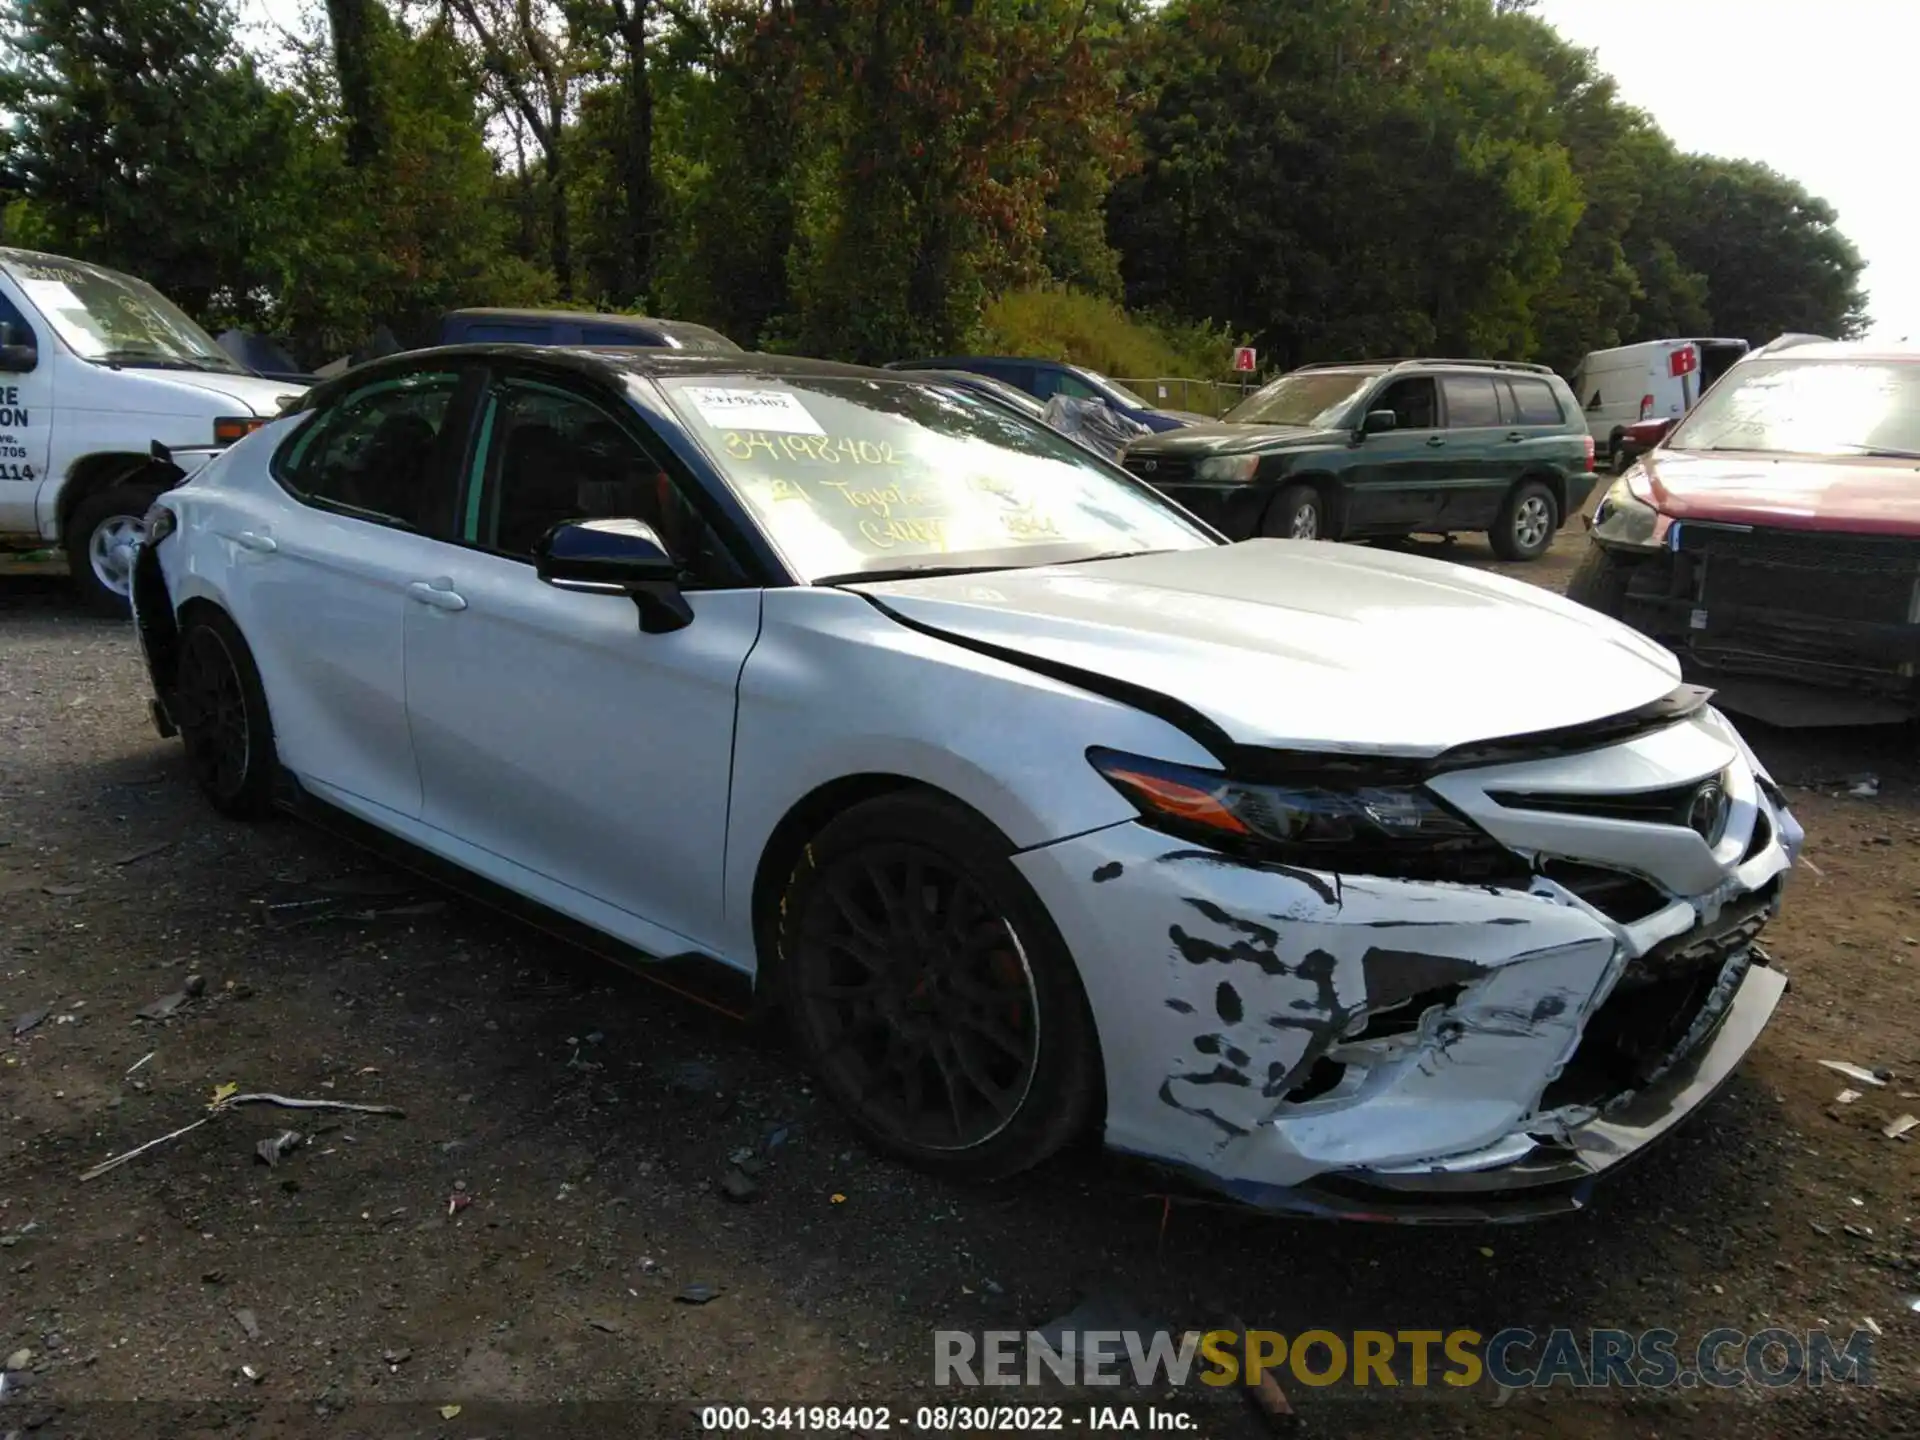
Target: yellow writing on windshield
(809,449)
(928,532)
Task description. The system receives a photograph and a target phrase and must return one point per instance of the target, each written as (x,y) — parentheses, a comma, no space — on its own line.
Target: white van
(1654,380)
(100,377)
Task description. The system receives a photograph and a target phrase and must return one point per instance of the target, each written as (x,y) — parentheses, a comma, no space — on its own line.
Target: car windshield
(1313,399)
(115,318)
(1809,407)
(852,477)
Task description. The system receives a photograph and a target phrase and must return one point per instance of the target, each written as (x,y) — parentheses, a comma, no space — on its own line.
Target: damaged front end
(1757,612)
(1458,991)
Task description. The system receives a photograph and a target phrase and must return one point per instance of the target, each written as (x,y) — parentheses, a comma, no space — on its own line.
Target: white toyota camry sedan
(1339,880)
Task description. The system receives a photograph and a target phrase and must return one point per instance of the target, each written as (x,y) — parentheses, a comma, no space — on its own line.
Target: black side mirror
(1378,422)
(17,352)
(616,557)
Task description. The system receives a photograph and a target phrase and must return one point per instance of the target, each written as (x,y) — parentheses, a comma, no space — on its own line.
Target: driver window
(551,457)
(1412,401)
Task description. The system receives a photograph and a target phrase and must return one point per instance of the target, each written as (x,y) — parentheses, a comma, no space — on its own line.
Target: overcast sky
(1822,90)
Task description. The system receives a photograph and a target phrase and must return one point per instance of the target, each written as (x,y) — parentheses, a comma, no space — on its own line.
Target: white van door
(26,412)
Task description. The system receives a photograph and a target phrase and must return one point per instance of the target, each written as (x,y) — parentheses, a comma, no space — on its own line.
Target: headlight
(1623,517)
(1225,468)
(1392,830)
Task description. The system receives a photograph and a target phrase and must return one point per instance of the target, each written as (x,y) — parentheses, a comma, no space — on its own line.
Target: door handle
(253,540)
(440,596)
(1515,436)
(1436,441)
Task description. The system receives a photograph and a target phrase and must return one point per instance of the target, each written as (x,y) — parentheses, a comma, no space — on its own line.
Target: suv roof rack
(1401,363)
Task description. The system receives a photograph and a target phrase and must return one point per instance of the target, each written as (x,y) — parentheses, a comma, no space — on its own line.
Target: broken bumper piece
(1380,1048)
(1531,1179)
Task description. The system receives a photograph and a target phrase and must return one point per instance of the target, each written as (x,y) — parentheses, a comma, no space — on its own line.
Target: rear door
(26,420)
(1483,453)
(1397,477)
(320,587)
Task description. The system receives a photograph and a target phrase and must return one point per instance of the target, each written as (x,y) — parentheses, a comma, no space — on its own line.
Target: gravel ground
(524,1234)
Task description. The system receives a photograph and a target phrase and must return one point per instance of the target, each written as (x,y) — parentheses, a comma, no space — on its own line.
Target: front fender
(834,690)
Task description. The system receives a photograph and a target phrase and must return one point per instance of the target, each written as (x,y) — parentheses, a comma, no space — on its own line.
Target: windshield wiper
(903,572)
(161,360)
(1878,453)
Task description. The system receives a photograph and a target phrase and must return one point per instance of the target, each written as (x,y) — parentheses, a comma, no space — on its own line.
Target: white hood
(250,394)
(1295,643)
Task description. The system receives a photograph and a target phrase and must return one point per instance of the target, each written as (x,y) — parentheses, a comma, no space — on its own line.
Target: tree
(528,56)
(144,138)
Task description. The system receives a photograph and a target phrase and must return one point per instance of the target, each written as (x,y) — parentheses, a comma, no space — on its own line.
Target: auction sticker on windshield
(726,408)
(850,475)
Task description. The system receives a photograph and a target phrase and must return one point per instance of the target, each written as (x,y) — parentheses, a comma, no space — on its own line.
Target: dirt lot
(520,1236)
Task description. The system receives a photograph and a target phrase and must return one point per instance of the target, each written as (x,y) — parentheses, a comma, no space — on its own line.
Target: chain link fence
(1175,392)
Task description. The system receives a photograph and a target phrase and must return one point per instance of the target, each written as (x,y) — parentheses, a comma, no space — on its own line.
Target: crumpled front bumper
(1396,1049)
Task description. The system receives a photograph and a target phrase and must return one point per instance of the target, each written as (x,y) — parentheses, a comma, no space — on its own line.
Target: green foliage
(1056,323)
(870,179)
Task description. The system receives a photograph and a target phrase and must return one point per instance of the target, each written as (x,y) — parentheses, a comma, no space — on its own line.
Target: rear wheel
(1298,512)
(930,992)
(221,710)
(1527,522)
(103,535)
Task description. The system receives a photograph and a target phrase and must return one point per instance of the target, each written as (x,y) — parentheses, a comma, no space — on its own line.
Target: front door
(1395,483)
(320,589)
(551,732)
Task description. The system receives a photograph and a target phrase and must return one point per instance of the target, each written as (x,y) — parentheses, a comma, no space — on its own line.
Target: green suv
(1347,451)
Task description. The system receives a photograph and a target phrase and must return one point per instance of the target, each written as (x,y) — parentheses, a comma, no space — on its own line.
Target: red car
(1772,540)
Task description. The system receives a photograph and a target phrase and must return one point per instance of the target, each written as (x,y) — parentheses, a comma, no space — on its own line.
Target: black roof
(605,362)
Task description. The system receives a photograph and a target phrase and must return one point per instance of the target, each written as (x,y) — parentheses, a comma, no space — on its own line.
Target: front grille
(1797,593)
(1161,469)
(1619,896)
(1648,807)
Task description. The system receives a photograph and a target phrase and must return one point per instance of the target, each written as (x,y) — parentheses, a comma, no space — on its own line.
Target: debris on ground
(30,1019)
(604,1325)
(447,1412)
(698,1293)
(224,1099)
(1846,1097)
(146,852)
(141,1061)
(458,1201)
(246,1320)
(1900,1127)
(19,1360)
(165,1007)
(1853,1072)
(738,1186)
(64,892)
(275,1147)
(253,1373)
(1864,786)
(396,1358)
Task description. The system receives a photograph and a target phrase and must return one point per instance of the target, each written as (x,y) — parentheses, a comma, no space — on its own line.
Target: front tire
(1601,581)
(1527,524)
(929,991)
(221,710)
(102,537)
(1298,512)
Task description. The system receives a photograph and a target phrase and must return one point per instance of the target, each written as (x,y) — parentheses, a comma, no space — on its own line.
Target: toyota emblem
(1149,464)
(1707,812)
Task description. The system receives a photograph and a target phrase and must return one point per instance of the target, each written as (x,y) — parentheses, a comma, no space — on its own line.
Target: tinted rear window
(1535,403)
(619,335)
(494,332)
(1471,401)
